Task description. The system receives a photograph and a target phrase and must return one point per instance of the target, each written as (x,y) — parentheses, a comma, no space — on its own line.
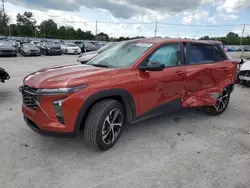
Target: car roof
(158,40)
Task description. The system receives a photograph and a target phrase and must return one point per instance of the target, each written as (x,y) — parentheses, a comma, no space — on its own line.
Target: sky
(175,18)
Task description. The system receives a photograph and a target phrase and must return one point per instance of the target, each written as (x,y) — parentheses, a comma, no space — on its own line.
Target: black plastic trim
(36,129)
(127,99)
(167,108)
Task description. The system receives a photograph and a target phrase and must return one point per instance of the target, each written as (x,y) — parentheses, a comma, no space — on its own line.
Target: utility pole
(4,19)
(195,34)
(96,30)
(155,28)
(241,39)
(44,30)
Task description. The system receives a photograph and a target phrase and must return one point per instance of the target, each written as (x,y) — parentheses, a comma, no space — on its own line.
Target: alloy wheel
(222,101)
(112,125)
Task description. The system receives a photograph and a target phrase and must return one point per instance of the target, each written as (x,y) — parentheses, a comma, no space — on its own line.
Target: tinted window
(202,53)
(169,55)
(218,54)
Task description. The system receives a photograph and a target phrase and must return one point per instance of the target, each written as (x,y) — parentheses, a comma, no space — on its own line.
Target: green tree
(4,22)
(26,24)
(102,36)
(48,28)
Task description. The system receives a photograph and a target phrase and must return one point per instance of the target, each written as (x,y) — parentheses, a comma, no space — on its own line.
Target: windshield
(29,45)
(50,43)
(71,45)
(122,55)
(7,44)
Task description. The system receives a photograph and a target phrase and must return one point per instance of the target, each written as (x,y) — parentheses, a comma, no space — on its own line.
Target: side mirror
(152,66)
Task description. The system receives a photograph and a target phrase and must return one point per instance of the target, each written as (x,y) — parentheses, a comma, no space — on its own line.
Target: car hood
(67,76)
(90,53)
(245,66)
(3,47)
(72,47)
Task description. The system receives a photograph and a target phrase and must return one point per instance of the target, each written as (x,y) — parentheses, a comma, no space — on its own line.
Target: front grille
(245,73)
(28,95)
(7,51)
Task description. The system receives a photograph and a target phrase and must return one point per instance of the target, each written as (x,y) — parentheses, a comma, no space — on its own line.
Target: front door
(160,91)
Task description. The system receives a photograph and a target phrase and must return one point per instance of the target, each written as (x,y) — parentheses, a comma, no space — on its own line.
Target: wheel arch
(120,95)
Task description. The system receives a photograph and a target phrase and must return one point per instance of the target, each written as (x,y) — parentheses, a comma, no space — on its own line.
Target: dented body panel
(204,82)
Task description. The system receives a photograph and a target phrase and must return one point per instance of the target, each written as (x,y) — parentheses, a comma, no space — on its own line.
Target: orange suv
(130,81)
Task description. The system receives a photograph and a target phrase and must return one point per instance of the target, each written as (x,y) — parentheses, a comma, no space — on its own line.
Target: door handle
(180,73)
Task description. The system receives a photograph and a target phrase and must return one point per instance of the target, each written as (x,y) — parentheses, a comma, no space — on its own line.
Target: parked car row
(29,48)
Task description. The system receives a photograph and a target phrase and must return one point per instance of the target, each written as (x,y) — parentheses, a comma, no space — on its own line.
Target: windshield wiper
(100,65)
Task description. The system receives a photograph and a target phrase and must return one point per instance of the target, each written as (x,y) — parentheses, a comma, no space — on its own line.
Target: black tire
(212,110)
(96,123)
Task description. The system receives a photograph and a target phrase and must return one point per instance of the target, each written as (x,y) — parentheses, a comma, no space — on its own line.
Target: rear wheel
(221,104)
(104,124)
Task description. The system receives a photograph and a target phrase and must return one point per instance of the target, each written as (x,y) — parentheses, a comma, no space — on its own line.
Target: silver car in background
(85,57)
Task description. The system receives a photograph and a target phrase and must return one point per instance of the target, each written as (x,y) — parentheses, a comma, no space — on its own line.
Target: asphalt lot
(188,149)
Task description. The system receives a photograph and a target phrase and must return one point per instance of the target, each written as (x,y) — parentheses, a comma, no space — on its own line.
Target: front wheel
(104,124)
(221,104)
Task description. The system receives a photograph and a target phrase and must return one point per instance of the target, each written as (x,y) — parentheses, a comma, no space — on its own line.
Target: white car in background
(244,72)
(70,49)
(85,57)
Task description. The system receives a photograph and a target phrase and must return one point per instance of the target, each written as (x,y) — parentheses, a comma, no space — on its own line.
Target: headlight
(59,90)
(48,48)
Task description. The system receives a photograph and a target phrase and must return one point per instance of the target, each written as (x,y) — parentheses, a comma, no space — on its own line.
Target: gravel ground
(188,149)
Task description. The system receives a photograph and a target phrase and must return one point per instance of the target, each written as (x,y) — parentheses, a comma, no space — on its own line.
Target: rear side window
(203,53)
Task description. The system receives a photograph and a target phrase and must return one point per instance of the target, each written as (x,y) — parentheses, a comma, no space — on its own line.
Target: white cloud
(212,20)
(142,9)
(67,19)
(238,30)
(234,5)
(197,15)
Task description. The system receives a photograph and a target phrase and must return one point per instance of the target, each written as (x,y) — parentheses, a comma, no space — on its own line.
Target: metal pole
(195,34)
(96,30)
(242,48)
(155,28)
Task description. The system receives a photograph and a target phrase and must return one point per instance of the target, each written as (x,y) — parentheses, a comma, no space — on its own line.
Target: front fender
(126,97)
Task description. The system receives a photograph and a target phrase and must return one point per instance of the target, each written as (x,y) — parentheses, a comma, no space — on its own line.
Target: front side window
(121,55)
(169,55)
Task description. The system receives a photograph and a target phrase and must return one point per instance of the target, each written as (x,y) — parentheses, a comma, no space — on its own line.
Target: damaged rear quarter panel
(204,82)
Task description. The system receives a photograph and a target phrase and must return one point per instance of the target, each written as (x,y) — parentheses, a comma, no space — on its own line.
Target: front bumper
(245,78)
(54,52)
(35,128)
(10,53)
(32,53)
(45,126)
(74,51)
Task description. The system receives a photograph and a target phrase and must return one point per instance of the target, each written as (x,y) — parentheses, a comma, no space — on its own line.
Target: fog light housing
(58,109)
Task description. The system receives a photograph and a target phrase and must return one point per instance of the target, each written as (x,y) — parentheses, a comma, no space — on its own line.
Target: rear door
(207,70)
(200,65)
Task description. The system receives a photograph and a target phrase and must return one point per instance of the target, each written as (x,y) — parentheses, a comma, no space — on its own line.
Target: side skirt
(164,109)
